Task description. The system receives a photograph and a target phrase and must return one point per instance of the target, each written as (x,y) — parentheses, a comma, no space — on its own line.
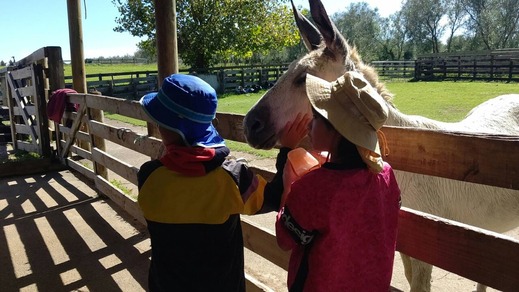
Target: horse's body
(329,57)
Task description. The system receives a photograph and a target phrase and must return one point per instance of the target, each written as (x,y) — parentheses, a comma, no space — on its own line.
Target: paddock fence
(497,65)
(395,69)
(133,85)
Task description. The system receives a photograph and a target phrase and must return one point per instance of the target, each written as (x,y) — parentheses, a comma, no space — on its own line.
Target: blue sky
(32,24)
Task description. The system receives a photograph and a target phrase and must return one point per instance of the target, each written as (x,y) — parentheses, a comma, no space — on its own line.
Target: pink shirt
(355,214)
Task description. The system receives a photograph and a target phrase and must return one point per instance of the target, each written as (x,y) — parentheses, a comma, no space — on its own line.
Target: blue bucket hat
(186,105)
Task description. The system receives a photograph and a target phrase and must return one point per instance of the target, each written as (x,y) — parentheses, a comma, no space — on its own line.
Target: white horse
(329,57)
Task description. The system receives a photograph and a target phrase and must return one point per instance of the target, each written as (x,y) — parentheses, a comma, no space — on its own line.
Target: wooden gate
(25,96)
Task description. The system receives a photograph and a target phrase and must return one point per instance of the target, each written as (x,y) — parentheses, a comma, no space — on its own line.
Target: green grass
(445,101)
(118,184)
(125,119)
(115,68)
(19,156)
(238,103)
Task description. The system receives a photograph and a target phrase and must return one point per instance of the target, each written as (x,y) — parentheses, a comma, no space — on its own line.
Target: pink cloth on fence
(57,104)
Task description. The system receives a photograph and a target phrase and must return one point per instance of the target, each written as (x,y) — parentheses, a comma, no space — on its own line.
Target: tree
(456,15)
(422,18)
(493,22)
(360,24)
(394,38)
(214,31)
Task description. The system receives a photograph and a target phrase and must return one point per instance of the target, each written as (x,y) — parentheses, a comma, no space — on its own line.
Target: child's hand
(294,131)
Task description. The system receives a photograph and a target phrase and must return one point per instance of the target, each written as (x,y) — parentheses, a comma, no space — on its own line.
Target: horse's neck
(397,118)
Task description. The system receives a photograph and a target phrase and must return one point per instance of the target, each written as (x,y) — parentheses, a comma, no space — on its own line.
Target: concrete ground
(58,234)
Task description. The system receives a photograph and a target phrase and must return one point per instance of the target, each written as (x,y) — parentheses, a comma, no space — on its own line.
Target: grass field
(445,101)
(115,68)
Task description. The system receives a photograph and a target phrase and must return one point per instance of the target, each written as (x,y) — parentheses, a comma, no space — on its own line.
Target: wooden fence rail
(395,69)
(499,65)
(133,85)
(24,90)
(450,245)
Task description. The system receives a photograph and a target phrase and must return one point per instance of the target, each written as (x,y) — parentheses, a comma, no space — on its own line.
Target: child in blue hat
(193,196)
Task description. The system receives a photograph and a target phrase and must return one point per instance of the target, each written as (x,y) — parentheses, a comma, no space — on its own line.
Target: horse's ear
(331,35)
(309,33)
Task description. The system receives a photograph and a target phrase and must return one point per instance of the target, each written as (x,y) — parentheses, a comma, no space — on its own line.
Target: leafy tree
(214,31)
(360,24)
(494,23)
(456,16)
(394,39)
(422,18)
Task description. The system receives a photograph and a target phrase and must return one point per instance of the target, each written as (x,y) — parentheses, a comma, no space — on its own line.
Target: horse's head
(328,57)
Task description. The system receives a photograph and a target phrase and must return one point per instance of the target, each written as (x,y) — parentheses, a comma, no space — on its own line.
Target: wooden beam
(166,28)
(484,256)
(74,129)
(150,146)
(167,53)
(126,203)
(125,170)
(477,158)
(75,32)
(263,241)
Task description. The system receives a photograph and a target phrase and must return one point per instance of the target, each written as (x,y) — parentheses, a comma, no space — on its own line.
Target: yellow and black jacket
(194,220)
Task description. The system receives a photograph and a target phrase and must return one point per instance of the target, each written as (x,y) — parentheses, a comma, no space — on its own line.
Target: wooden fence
(25,91)
(394,69)
(420,235)
(129,85)
(247,76)
(498,65)
(133,85)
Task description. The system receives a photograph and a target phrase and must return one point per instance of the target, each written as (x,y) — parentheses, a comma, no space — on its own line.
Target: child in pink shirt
(340,220)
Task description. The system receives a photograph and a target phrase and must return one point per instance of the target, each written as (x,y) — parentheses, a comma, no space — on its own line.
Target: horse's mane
(370,74)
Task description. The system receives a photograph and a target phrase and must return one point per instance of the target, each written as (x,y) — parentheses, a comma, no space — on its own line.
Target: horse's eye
(301,80)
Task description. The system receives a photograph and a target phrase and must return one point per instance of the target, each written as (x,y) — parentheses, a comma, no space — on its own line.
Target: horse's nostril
(256,127)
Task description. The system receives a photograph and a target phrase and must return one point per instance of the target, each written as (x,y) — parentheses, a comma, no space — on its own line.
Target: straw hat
(186,105)
(352,106)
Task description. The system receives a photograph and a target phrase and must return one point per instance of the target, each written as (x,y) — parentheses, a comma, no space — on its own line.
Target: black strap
(304,238)
(298,233)
(302,272)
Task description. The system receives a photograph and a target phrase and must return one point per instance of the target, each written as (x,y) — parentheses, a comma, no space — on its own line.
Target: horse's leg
(408,269)
(421,276)
(481,288)
(417,273)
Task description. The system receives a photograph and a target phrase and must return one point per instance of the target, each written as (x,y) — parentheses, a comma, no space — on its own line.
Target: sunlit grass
(108,68)
(20,155)
(238,103)
(118,184)
(445,101)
